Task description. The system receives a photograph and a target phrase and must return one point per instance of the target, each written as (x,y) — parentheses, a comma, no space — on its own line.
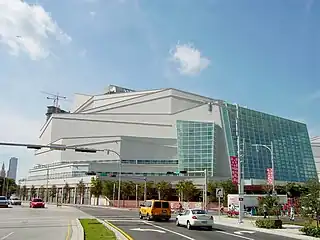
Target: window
(199,211)
(157,204)
(165,205)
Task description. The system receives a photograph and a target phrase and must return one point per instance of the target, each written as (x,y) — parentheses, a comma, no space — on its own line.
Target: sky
(261,54)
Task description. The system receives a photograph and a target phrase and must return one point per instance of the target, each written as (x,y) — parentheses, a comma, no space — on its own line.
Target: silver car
(3,202)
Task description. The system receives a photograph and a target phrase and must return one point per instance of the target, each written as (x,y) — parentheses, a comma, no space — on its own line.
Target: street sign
(219,192)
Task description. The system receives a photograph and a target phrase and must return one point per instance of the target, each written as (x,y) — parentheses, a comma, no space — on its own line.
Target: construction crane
(56,98)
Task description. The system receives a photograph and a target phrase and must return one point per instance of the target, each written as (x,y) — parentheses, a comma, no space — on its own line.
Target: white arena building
(160,131)
(315,144)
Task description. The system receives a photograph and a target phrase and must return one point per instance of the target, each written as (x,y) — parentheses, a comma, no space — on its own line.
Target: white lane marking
(168,230)
(242,232)
(6,236)
(147,230)
(124,220)
(235,235)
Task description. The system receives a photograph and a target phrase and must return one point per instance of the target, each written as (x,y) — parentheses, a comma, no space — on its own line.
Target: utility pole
(47,191)
(56,98)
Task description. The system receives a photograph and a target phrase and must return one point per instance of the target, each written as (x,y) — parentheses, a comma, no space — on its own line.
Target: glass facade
(196,146)
(293,158)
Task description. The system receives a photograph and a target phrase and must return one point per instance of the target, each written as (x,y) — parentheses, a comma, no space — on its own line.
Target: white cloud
(93,14)
(189,59)
(28,28)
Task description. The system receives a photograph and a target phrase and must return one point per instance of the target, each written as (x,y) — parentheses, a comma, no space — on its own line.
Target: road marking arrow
(147,230)
(242,232)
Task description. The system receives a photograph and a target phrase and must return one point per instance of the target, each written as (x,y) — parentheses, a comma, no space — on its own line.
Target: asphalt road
(145,230)
(52,223)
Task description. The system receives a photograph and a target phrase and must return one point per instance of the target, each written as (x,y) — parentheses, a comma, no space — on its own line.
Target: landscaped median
(94,230)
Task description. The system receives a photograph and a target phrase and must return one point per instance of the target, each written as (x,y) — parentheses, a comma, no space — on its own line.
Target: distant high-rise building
(3,171)
(13,165)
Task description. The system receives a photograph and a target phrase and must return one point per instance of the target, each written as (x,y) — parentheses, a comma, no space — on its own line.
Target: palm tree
(81,189)
(96,188)
(53,192)
(33,191)
(187,190)
(18,190)
(151,190)
(128,189)
(41,191)
(24,192)
(164,189)
(66,193)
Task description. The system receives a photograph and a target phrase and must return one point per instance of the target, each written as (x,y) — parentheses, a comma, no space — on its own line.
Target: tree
(108,188)
(33,191)
(96,188)
(164,190)
(66,193)
(24,192)
(18,190)
(42,192)
(151,190)
(128,189)
(186,189)
(81,187)
(310,201)
(53,192)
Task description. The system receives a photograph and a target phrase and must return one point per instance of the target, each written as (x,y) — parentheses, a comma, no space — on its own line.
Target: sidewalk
(291,231)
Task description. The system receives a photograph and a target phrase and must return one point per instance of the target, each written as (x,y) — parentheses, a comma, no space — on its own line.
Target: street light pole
(271,150)
(240,190)
(47,191)
(145,189)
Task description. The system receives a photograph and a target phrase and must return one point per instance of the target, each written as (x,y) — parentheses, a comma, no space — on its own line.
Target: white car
(193,218)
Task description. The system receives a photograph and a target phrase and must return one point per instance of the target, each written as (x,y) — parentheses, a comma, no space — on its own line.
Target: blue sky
(261,54)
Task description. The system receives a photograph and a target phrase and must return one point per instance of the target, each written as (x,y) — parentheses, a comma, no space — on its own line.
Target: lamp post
(221,103)
(120,172)
(270,149)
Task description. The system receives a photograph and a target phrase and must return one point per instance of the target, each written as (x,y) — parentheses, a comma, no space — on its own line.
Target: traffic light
(87,150)
(91,173)
(177,172)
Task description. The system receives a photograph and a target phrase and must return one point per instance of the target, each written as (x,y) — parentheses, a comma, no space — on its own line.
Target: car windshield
(199,211)
(3,198)
(37,200)
(14,198)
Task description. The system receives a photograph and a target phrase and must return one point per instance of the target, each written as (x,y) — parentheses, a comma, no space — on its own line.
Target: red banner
(269,176)
(234,169)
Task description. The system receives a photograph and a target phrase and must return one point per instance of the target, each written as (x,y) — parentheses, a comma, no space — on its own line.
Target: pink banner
(269,176)
(234,169)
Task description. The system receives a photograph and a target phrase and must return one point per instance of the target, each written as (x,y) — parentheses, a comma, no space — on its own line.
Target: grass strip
(94,230)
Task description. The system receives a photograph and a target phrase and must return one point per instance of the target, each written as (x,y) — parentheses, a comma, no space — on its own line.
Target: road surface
(144,230)
(22,222)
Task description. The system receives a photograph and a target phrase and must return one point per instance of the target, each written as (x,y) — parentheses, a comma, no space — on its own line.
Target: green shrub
(311,230)
(269,223)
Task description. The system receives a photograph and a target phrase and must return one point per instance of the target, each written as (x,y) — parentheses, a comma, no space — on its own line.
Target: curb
(77,230)
(120,234)
(289,235)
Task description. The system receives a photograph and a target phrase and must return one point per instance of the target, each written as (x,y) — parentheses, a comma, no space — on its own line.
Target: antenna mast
(56,98)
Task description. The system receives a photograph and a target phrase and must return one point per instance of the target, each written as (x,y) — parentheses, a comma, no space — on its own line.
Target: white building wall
(316,154)
(151,116)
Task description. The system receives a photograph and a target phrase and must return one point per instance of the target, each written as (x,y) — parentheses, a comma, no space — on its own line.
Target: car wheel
(177,222)
(189,226)
(209,228)
(148,217)
(140,216)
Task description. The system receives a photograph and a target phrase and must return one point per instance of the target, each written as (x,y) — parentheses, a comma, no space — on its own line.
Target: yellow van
(155,210)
